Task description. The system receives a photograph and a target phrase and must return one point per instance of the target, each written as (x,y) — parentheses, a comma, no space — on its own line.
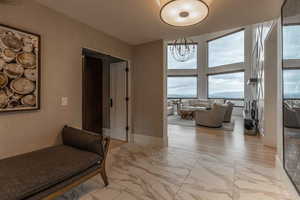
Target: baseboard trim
(147,140)
(286,179)
(106,131)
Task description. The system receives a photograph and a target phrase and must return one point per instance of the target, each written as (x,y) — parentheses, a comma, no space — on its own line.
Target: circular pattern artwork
(19,70)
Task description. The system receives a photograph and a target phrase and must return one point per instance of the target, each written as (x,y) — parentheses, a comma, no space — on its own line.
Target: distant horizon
(220,95)
(233,95)
(292,96)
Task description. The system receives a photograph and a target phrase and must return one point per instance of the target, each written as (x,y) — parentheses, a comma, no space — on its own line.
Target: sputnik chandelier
(183,49)
(183,13)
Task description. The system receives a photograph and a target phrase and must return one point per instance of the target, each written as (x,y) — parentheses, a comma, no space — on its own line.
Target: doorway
(105,96)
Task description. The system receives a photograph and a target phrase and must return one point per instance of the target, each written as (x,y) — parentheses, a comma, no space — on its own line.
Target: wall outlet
(64,101)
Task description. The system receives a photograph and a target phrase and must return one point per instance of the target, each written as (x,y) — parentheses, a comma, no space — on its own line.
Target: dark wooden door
(92,94)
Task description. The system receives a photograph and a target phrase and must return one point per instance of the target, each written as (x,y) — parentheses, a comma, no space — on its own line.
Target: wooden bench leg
(104,176)
(103,171)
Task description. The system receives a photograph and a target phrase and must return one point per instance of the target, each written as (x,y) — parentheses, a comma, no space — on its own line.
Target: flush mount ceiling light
(183,12)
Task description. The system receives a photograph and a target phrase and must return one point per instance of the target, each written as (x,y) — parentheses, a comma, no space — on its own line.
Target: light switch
(64,101)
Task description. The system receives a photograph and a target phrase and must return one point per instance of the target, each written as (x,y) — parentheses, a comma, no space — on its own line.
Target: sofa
(212,118)
(228,113)
(49,172)
(291,116)
(199,103)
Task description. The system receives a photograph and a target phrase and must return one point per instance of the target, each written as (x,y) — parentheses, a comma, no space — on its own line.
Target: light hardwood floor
(232,144)
(199,164)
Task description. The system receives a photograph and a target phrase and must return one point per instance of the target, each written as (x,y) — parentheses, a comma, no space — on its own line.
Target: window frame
(228,72)
(219,37)
(192,43)
(289,64)
(197,89)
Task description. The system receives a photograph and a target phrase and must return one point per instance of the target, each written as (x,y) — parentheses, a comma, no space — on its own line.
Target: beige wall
(148,92)
(62,40)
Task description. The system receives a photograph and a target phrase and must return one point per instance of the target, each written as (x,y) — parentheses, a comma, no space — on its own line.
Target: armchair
(228,113)
(291,117)
(211,118)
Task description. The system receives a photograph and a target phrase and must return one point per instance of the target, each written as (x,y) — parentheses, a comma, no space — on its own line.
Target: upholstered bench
(48,173)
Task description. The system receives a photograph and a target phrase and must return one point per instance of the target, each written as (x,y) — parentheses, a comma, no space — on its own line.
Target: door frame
(102,55)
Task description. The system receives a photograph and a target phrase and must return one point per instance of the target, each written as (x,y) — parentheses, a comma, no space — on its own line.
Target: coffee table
(188,113)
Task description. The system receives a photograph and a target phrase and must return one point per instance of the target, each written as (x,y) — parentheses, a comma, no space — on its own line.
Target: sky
(226,50)
(291,42)
(182,87)
(226,86)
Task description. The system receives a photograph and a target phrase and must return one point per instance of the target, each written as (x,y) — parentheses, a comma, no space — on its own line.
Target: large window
(182,87)
(226,50)
(174,64)
(291,42)
(291,82)
(226,86)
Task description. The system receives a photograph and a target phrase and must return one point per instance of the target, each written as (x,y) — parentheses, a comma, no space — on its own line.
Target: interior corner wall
(272,86)
(62,39)
(148,94)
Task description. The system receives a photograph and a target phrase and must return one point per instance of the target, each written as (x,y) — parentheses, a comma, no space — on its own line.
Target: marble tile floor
(199,164)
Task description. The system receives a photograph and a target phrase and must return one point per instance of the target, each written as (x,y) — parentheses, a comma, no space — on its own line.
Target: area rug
(176,120)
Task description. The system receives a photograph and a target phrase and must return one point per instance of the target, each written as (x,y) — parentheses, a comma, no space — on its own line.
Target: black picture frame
(36,51)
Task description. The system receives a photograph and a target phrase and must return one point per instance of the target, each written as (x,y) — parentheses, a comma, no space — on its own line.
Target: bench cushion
(57,187)
(24,175)
(82,139)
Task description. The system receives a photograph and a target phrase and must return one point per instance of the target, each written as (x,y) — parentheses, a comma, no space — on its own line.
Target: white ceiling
(138,21)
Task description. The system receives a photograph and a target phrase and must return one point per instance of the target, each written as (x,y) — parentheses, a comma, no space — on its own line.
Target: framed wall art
(19,70)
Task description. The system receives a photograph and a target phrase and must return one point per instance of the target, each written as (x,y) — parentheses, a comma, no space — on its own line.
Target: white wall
(272,88)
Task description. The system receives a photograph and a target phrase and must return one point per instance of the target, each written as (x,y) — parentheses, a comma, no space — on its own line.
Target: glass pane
(291,82)
(291,42)
(227,86)
(174,64)
(182,87)
(226,50)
